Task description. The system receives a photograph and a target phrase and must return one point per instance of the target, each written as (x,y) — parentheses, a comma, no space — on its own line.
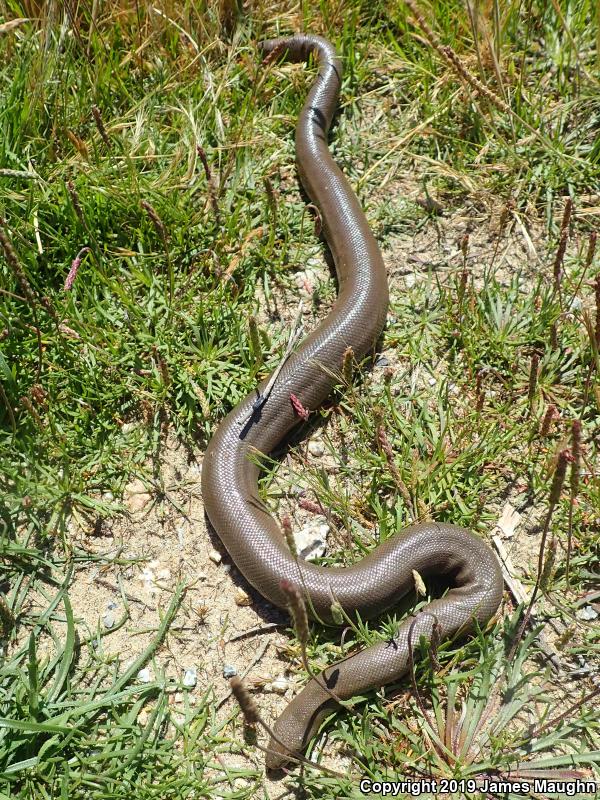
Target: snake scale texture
(230,474)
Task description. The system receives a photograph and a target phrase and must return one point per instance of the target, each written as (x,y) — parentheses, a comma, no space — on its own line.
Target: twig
(555,490)
(250,666)
(386,448)
(263,396)
(268,628)
(554,722)
(521,595)
(562,246)
(413,679)
(574,489)
(114,588)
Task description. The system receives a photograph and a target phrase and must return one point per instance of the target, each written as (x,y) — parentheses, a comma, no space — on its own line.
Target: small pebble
(382,361)
(143,717)
(314,263)
(136,496)
(311,541)
(147,578)
(280,685)
(109,620)
(242,598)
(215,556)
(300,279)
(190,677)
(144,676)
(316,448)
(587,614)
(430,204)
(229,671)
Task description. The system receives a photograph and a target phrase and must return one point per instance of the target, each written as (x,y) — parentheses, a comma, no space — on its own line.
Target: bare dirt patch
(168,539)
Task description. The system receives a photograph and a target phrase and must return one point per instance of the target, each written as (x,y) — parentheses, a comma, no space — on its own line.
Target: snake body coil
(230,476)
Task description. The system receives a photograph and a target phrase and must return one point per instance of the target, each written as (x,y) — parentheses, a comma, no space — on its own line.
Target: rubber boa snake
(230,475)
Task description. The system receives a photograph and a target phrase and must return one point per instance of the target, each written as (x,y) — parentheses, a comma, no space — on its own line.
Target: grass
(151,145)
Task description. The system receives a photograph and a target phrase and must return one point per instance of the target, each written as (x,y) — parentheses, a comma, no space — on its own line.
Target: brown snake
(230,473)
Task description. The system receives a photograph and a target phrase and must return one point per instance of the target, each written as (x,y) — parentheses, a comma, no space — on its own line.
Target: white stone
(109,620)
(242,598)
(136,496)
(190,677)
(181,535)
(509,521)
(144,675)
(148,578)
(279,685)
(587,614)
(316,448)
(311,541)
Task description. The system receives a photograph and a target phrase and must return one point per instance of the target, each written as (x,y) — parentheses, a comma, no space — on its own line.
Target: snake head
(277,756)
(297,725)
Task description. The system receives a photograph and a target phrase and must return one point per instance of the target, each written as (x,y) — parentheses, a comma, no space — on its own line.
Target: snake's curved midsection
(230,472)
